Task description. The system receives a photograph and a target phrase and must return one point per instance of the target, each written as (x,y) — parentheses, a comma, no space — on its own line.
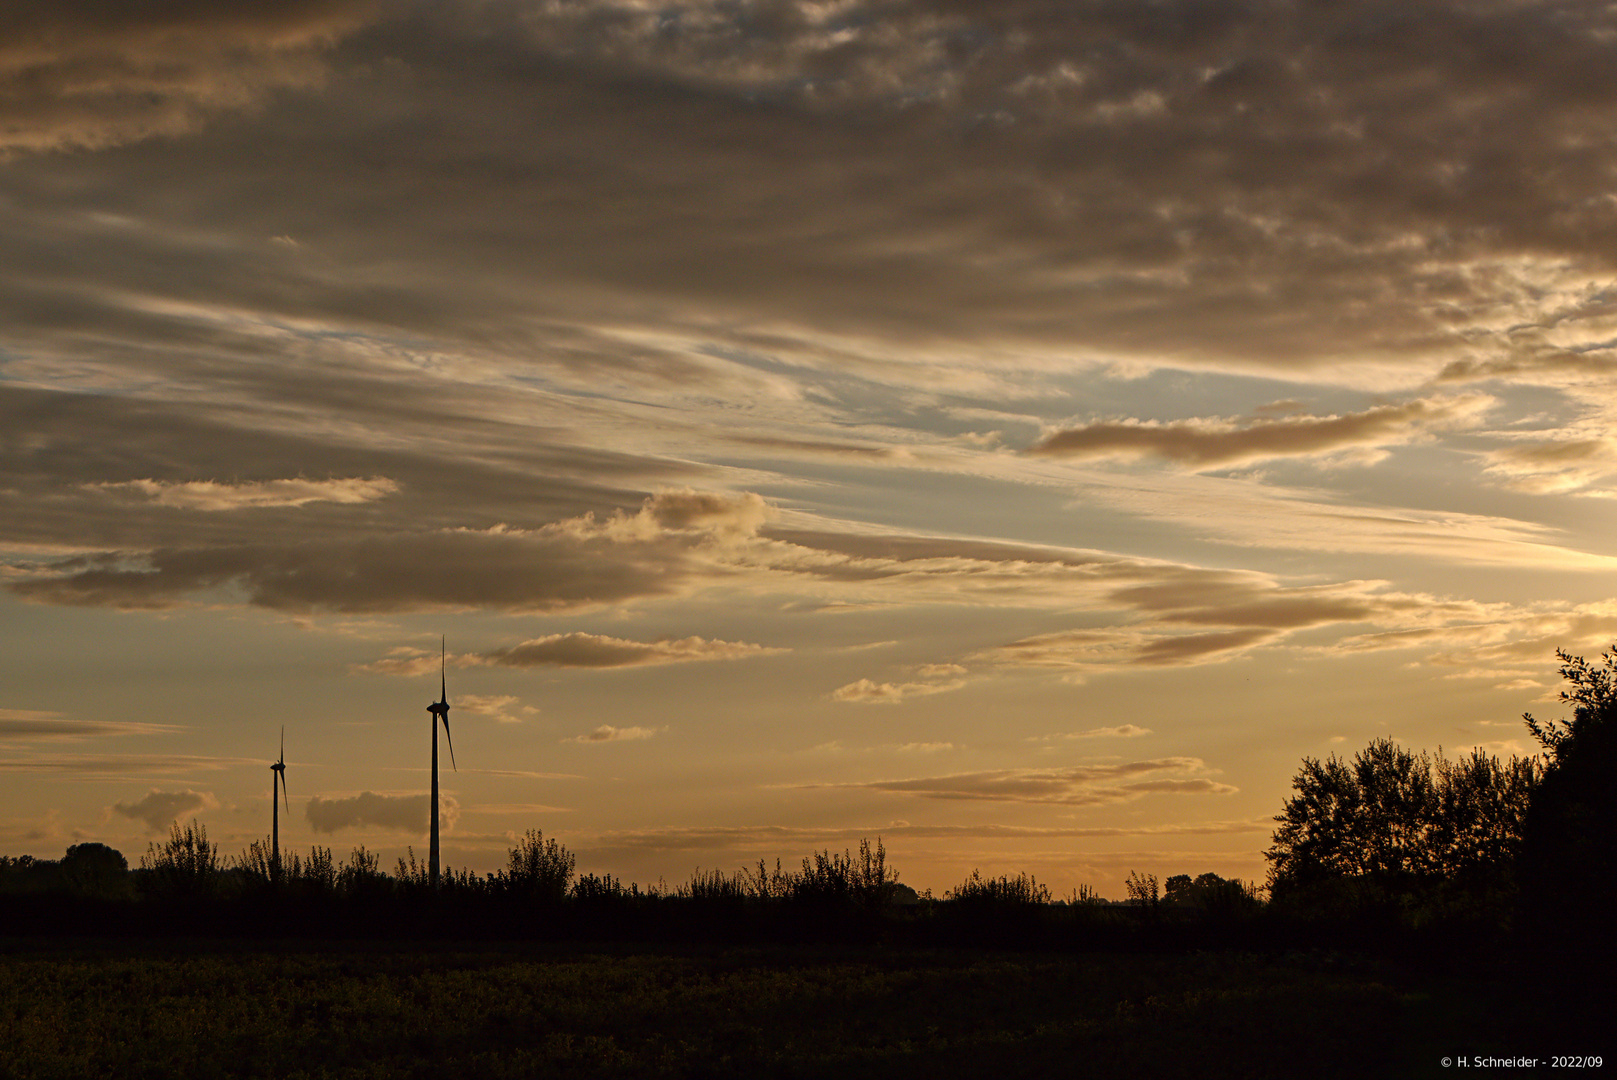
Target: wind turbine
(440,711)
(277,770)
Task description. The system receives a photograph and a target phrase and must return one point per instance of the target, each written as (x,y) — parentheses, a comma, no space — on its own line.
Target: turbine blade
(443,673)
(287,798)
(451,744)
(283,743)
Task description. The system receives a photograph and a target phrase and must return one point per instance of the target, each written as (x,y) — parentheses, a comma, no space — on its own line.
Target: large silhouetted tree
(1395,821)
(1568,864)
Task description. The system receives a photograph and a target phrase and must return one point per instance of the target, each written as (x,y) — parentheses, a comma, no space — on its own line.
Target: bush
(1143,891)
(864,881)
(361,875)
(713,885)
(96,870)
(1004,890)
(537,870)
(185,865)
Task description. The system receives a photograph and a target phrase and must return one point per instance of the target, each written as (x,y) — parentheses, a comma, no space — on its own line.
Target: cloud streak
(574,564)
(581,650)
(1214,443)
(1077,785)
(30,724)
(212,497)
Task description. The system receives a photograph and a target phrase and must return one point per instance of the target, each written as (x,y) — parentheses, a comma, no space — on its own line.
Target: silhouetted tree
(1568,862)
(1481,815)
(1211,895)
(1177,889)
(97,870)
(1393,822)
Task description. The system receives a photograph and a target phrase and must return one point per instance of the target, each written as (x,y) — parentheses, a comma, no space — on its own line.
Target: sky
(1021,432)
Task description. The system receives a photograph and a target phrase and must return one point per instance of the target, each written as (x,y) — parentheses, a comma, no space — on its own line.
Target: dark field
(536,1010)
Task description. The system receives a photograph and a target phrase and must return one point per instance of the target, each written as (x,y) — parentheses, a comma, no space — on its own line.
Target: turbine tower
(440,711)
(277,770)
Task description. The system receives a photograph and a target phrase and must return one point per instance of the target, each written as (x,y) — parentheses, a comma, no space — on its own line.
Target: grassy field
(212,1009)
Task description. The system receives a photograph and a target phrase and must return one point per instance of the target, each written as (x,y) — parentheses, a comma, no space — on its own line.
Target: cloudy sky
(1020,431)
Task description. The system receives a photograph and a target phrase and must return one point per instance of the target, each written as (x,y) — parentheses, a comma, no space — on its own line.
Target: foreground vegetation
(540,1011)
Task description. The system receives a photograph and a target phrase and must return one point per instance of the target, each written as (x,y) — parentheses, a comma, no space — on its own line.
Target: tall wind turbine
(440,711)
(277,770)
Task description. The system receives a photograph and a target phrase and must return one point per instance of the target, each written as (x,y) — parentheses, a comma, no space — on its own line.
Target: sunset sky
(1021,431)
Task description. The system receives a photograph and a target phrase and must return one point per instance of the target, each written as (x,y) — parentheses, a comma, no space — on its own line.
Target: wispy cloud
(608,733)
(496,707)
(772,837)
(581,650)
(1120,731)
(122,766)
(211,496)
(29,724)
(1076,785)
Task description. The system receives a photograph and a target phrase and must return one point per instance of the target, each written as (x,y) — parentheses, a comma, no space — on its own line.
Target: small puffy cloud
(1220,443)
(211,496)
(685,509)
(868,691)
(940,679)
(608,733)
(495,706)
(407,813)
(159,809)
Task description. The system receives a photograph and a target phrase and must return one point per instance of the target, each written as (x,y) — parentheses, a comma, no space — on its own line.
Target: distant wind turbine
(440,711)
(277,770)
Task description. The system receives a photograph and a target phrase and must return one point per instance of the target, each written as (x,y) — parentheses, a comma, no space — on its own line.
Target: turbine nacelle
(279,769)
(440,708)
(440,711)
